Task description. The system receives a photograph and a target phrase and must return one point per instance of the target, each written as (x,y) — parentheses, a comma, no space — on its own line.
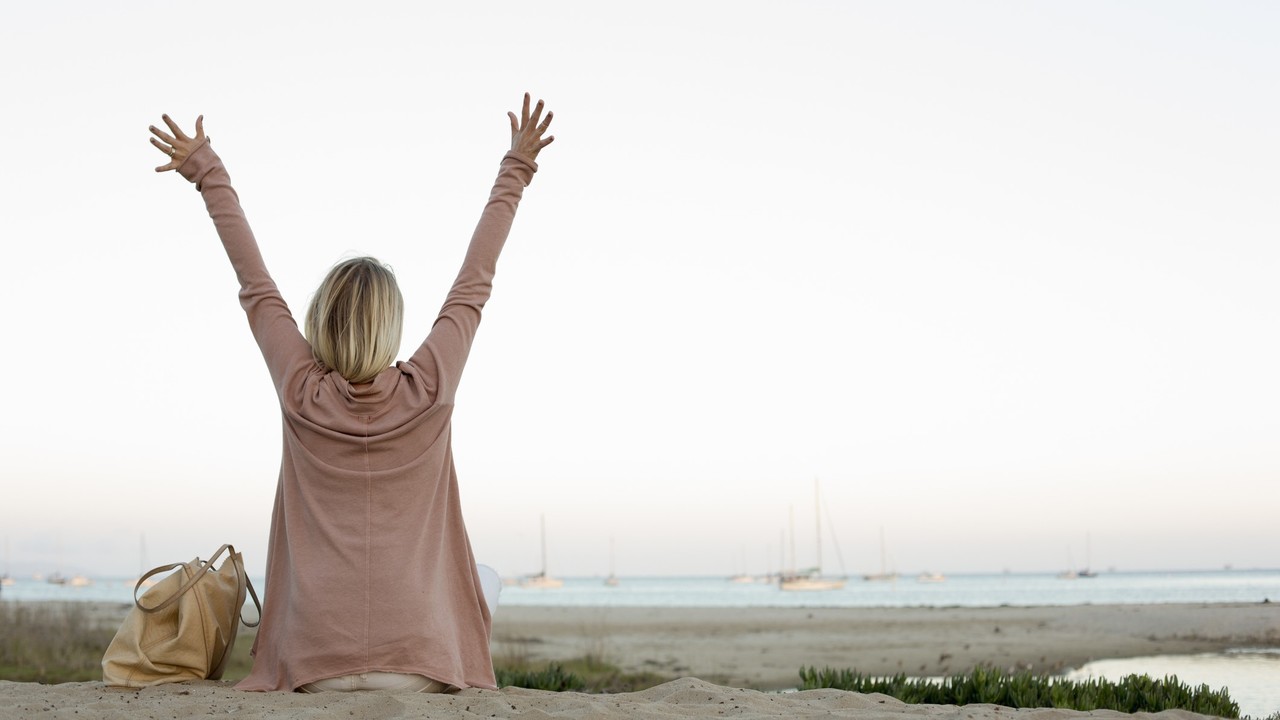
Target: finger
(546,123)
(162,168)
(200,128)
(163,135)
(515,128)
(537,114)
(177,131)
(162,147)
(547,142)
(524,113)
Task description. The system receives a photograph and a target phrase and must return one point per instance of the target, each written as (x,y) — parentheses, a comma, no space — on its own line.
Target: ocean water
(1251,676)
(989,590)
(957,590)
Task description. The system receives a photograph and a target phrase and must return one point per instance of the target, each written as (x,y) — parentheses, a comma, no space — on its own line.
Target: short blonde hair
(355,319)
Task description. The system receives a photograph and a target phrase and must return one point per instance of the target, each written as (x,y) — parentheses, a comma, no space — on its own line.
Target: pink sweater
(369,567)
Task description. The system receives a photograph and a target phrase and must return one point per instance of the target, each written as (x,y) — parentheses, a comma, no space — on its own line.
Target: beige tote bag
(184,627)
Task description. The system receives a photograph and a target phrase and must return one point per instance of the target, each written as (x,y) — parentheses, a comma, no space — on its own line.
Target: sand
(688,697)
(726,648)
(764,648)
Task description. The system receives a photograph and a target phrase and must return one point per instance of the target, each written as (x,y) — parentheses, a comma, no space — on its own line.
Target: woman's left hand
(177,146)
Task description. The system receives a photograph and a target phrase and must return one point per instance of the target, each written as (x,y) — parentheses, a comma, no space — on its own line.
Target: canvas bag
(184,627)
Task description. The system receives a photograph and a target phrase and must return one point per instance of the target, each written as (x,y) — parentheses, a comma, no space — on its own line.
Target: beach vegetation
(589,673)
(552,677)
(1025,689)
(52,642)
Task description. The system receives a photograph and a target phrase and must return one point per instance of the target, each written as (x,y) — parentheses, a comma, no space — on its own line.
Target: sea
(1252,674)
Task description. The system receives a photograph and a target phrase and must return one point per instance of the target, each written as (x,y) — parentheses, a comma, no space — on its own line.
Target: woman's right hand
(177,146)
(526,133)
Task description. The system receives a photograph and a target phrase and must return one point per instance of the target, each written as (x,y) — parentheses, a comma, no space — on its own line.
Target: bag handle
(205,566)
(239,561)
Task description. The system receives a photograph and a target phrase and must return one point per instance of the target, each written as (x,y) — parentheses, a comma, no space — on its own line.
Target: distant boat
(56,578)
(883,575)
(612,580)
(744,577)
(812,579)
(802,583)
(79,581)
(6,580)
(542,581)
(1086,572)
(142,563)
(931,577)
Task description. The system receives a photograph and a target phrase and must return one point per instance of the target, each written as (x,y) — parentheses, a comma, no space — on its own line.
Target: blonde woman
(371,583)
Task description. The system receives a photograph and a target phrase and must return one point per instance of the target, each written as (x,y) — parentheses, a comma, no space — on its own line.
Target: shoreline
(764,648)
(711,654)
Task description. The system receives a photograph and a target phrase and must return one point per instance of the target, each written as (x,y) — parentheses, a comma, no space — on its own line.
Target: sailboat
(743,577)
(812,579)
(142,563)
(884,574)
(542,581)
(6,579)
(1087,571)
(612,580)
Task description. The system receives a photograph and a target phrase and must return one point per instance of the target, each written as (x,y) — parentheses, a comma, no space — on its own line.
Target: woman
(371,583)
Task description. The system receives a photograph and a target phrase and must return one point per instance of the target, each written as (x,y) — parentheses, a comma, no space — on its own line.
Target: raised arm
(444,353)
(269,318)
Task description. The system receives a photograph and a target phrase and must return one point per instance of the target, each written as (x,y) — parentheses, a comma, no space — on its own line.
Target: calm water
(1252,676)
(958,590)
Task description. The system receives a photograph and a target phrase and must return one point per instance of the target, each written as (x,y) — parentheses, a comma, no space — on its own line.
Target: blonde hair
(355,319)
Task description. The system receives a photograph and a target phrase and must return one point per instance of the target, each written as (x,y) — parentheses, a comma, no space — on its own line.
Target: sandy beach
(682,698)
(711,654)
(764,648)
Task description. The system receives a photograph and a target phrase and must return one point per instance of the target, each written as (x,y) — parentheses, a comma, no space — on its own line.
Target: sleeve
(282,345)
(444,353)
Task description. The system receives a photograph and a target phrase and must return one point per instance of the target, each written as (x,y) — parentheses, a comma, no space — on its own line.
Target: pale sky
(1002,275)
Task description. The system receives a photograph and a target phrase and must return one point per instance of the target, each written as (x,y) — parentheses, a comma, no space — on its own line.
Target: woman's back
(369,567)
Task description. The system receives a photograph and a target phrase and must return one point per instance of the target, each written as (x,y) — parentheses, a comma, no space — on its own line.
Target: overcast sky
(1001,275)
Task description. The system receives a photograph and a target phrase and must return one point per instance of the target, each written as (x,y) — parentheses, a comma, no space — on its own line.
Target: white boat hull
(810,584)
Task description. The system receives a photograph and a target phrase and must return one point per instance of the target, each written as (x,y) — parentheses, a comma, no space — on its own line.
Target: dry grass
(50,642)
(593,667)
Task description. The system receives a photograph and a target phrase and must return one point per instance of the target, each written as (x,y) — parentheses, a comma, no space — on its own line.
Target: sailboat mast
(817,514)
(791,519)
(782,553)
(544,545)
(883,570)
